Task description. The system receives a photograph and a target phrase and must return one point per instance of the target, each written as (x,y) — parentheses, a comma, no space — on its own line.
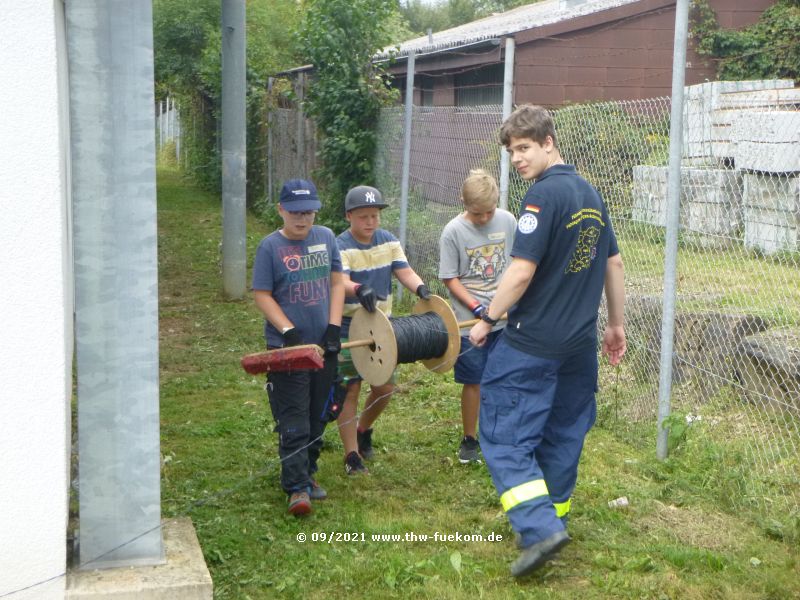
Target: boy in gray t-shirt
(474,250)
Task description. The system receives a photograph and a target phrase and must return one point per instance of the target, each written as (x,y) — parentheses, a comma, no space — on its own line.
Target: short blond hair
(479,190)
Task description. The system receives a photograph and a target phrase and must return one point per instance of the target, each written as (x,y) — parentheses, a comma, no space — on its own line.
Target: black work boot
(536,555)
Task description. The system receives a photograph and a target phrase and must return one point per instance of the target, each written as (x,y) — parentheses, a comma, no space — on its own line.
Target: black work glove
(292,338)
(423,292)
(367,297)
(331,342)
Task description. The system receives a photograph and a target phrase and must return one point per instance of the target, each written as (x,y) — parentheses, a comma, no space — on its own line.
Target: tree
(421,17)
(187,43)
(462,11)
(340,37)
(451,13)
(182,32)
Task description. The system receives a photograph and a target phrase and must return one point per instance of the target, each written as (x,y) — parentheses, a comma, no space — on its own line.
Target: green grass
(676,540)
(716,279)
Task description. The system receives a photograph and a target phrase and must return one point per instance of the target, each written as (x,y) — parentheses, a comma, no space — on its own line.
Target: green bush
(340,37)
(768,49)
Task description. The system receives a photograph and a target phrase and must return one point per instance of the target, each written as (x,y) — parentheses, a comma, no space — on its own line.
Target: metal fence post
(171,113)
(301,126)
(673,223)
(406,156)
(178,134)
(508,98)
(234,158)
(110,50)
(160,125)
(270,166)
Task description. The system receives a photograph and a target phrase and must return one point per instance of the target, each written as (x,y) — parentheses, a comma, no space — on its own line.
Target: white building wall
(35,301)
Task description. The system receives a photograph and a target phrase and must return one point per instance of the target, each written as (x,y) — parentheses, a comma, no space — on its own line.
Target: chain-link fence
(736,359)
(445,145)
(736,364)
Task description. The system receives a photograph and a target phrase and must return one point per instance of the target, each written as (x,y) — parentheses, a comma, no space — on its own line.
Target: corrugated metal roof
(503,24)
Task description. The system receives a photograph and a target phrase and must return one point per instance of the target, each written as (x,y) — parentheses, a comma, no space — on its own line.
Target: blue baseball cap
(299,195)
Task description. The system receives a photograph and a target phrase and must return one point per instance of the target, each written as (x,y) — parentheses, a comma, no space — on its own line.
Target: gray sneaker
(468,451)
(317,491)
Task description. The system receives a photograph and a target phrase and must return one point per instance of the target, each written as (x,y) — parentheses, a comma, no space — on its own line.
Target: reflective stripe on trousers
(534,415)
(522,493)
(528,491)
(562,508)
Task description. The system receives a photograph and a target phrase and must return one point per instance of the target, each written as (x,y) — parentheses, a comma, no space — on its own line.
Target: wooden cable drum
(431,335)
(439,306)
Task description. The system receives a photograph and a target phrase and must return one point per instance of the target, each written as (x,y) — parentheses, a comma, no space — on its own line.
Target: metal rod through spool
(383,349)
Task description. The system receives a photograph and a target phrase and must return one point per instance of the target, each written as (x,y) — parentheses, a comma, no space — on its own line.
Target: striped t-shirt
(370,264)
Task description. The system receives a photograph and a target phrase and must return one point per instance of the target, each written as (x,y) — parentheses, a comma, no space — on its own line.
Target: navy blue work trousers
(534,415)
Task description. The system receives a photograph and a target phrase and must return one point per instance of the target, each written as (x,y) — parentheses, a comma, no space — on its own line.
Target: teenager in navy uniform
(538,388)
(298,286)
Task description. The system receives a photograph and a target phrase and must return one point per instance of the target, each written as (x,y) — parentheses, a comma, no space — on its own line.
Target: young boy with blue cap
(298,286)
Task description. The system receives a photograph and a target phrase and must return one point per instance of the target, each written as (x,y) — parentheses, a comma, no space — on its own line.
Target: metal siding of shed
(602,59)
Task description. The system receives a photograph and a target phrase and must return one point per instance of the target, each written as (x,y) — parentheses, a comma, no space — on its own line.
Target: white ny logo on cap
(370,197)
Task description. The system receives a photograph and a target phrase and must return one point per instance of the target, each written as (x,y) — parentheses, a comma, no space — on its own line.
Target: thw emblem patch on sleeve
(528,223)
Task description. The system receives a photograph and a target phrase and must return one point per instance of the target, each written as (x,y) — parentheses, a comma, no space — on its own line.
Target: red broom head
(293,358)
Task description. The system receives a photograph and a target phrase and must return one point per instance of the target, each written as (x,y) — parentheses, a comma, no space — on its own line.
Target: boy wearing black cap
(370,255)
(298,285)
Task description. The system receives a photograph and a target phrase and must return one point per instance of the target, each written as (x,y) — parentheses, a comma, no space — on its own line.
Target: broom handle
(357,343)
(370,341)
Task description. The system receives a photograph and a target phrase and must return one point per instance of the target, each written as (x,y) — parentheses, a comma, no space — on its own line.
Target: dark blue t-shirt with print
(565,229)
(297,272)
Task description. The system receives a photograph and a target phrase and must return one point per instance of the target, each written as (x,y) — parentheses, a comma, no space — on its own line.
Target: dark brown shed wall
(623,60)
(619,54)
(737,14)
